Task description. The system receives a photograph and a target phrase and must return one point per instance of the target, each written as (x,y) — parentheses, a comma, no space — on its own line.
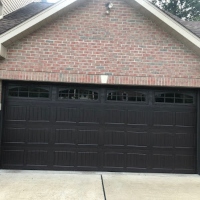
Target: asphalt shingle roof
(193,26)
(19,16)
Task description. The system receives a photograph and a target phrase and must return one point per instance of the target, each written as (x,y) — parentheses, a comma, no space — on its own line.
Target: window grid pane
(126,96)
(174,98)
(32,92)
(80,94)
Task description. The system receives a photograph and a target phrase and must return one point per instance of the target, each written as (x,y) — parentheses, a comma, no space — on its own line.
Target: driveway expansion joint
(104,192)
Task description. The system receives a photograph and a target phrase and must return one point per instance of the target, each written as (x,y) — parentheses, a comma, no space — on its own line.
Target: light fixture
(108,6)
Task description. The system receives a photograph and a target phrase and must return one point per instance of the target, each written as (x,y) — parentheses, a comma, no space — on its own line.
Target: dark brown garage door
(73,127)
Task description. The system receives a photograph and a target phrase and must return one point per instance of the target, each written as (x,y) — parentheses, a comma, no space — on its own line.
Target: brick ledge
(95,79)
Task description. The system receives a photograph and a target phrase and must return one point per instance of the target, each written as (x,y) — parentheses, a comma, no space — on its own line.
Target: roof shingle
(193,26)
(19,16)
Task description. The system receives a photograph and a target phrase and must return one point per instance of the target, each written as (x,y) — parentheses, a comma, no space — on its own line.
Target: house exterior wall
(85,43)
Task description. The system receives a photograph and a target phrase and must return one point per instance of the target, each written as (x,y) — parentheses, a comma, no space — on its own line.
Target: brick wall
(86,43)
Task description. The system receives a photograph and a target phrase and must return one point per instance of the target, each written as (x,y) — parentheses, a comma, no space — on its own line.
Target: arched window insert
(173,97)
(133,96)
(81,94)
(28,91)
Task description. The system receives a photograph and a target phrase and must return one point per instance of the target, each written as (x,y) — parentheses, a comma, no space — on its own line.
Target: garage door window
(28,91)
(78,94)
(171,97)
(132,96)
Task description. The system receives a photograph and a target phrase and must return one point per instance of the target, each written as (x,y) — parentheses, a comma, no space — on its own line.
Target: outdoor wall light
(108,6)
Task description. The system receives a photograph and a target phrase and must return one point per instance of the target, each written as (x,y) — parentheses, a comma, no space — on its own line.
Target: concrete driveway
(48,185)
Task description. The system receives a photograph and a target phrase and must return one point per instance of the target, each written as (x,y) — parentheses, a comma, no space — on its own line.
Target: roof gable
(33,20)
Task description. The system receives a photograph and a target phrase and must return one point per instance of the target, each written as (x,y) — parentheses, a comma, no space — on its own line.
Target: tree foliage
(184,9)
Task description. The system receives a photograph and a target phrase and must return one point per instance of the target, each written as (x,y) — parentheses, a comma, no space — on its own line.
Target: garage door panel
(163,161)
(185,119)
(38,136)
(115,116)
(161,118)
(14,136)
(163,140)
(65,137)
(39,113)
(136,117)
(185,151)
(15,113)
(138,139)
(114,160)
(113,138)
(89,115)
(137,161)
(184,140)
(88,137)
(64,114)
(88,159)
(36,158)
(185,162)
(12,157)
(64,159)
